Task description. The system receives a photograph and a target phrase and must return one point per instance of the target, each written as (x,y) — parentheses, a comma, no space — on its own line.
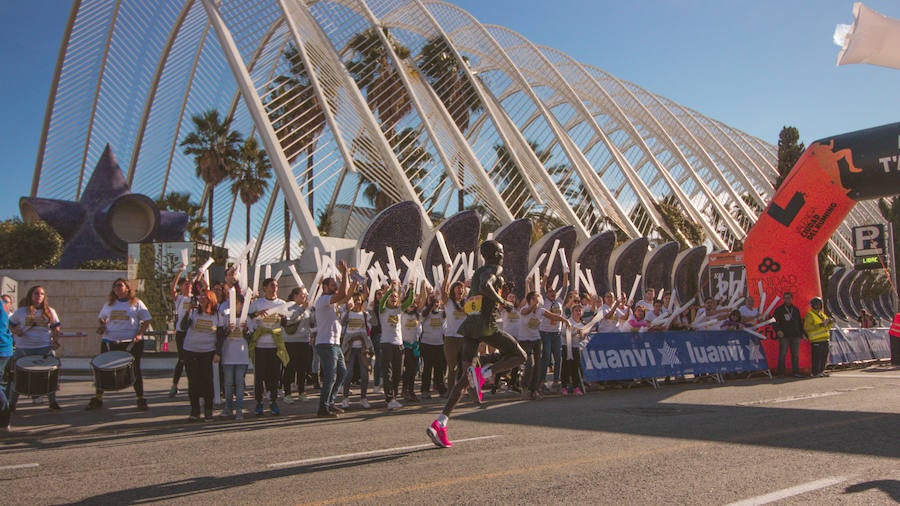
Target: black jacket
(788,320)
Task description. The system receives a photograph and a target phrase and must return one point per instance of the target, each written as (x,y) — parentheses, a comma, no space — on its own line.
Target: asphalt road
(824,441)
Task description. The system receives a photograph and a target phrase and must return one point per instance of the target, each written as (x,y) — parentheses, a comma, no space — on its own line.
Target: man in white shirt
(328,340)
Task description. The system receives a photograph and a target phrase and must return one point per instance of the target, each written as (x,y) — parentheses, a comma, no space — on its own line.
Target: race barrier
(858,345)
(652,355)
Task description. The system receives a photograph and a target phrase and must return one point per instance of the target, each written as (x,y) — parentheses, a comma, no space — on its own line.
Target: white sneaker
(345,403)
(378,389)
(365,403)
(288,399)
(394,404)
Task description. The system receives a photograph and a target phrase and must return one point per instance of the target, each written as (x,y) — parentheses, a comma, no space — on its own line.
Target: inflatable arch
(834,173)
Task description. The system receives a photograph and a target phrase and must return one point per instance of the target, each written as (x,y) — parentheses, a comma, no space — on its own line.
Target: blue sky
(756,65)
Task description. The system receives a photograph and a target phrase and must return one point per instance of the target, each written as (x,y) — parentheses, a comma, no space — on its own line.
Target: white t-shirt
(511,322)
(454,318)
(271,321)
(302,316)
(610,324)
(328,324)
(529,326)
(356,328)
(36,326)
(748,312)
(182,306)
(390,326)
(548,325)
(647,305)
(201,335)
(235,350)
(123,319)
(410,327)
(433,328)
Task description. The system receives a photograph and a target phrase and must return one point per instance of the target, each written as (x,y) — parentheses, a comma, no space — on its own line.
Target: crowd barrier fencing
(652,355)
(850,345)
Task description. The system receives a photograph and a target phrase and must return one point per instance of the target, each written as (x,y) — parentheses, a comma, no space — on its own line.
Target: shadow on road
(890,487)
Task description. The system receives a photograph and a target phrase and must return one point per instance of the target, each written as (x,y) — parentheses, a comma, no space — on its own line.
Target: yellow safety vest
(814,327)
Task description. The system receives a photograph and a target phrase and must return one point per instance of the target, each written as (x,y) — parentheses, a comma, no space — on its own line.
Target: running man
(480,326)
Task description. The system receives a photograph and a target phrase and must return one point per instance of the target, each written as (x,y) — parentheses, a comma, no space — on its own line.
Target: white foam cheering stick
(618,286)
(242,274)
(470,266)
(246,309)
(659,296)
(568,342)
(296,276)
(392,263)
(278,274)
(443,247)
(562,260)
(268,271)
(247,247)
(255,277)
(589,280)
(763,324)
(762,297)
(637,281)
(577,277)
(552,256)
(205,266)
(184,257)
(672,300)
(555,282)
(232,314)
(775,301)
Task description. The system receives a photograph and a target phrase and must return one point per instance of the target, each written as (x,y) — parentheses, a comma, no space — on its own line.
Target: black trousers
(391,362)
(298,368)
(137,351)
(199,367)
(434,366)
(819,356)
(571,369)
(266,374)
(410,368)
(179,365)
(530,377)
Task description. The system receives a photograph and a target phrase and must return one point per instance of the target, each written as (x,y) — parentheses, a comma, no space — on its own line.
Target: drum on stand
(113,370)
(37,375)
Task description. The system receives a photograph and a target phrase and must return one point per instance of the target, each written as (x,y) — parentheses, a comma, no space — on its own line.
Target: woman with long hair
(454,314)
(123,321)
(201,324)
(36,328)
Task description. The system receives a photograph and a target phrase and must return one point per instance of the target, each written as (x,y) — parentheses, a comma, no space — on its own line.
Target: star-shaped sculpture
(106,219)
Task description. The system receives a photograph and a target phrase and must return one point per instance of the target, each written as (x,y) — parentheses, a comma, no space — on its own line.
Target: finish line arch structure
(452,114)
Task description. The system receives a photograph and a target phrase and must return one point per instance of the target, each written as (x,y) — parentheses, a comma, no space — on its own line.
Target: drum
(113,370)
(37,375)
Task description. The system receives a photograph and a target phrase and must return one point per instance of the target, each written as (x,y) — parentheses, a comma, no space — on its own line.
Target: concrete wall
(77,296)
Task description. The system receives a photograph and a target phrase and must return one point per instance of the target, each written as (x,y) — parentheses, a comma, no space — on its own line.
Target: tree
(37,245)
(181,202)
(511,182)
(448,76)
(251,175)
(412,157)
(789,151)
(687,233)
(890,209)
(373,73)
(298,121)
(215,148)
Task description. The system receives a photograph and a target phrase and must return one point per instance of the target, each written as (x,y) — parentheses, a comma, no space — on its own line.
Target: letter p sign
(868,240)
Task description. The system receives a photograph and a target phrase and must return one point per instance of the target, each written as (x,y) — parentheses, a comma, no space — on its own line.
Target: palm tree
(511,182)
(176,201)
(453,86)
(251,176)
(374,73)
(412,157)
(298,121)
(214,146)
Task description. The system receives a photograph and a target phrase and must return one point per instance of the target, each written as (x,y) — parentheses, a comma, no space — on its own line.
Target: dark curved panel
(855,293)
(843,293)
(595,255)
(400,227)
(628,261)
(686,273)
(516,240)
(831,294)
(658,267)
(461,233)
(567,238)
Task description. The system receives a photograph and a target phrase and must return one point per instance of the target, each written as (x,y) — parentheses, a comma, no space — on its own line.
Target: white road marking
(19,466)
(871,375)
(790,492)
(385,451)
(802,397)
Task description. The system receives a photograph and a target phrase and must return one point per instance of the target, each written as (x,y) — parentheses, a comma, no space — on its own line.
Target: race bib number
(473,305)
(393,319)
(204,325)
(533,323)
(411,323)
(435,322)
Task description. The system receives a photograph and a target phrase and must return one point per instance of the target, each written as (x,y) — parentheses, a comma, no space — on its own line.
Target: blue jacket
(6,340)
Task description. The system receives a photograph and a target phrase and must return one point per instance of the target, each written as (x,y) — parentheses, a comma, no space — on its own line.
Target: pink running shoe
(476,380)
(438,435)
(564,391)
(578,392)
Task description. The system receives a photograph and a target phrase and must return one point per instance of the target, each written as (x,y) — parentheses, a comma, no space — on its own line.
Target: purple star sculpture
(106,219)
